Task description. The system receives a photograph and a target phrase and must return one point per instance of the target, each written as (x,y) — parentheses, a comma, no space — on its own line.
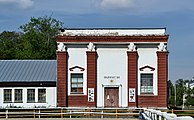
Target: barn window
(146,83)
(7,95)
(42,95)
(30,95)
(77,83)
(18,95)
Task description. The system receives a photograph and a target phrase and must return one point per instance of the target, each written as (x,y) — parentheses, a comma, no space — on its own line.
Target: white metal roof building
(27,83)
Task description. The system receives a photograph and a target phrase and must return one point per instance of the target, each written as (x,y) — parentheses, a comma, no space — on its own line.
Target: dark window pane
(146,83)
(42,95)
(7,95)
(31,95)
(18,95)
(77,83)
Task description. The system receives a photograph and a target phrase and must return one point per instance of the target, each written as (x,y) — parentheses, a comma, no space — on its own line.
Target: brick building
(112,68)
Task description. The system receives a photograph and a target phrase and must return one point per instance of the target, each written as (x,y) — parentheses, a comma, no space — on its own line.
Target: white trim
(113,32)
(84,82)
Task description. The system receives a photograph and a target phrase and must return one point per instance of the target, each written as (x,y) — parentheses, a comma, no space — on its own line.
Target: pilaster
(132,78)
(162,78)
(91,78)
(62,79)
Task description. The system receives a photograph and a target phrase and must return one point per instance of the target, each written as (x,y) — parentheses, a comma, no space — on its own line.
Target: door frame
(119,93)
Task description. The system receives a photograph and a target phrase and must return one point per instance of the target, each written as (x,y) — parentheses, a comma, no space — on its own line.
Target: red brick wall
(91,74)
(161,99)
(77,101)
(162,78)
(79,39)
(62,79)
(132,75)
(147,101)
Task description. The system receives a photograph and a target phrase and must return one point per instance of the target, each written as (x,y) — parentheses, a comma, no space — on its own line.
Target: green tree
(189,95)
(179,92)
(189,100)
(38,40)
(171,93)
(9,44)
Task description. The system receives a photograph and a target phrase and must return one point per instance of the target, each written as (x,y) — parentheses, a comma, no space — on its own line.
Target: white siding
(77,57)
(112,62)
(50,97)
(148,56)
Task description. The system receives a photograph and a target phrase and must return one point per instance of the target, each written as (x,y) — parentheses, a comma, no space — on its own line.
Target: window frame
(18,95)
(79,90)
(148,89)
(42,96)
(31,95)
(10,95)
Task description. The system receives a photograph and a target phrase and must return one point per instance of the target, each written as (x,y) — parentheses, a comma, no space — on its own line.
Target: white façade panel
(112,72)
(148,57)
(77,57)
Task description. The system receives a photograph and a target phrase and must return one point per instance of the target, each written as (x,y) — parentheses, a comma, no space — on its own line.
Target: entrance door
(111,97)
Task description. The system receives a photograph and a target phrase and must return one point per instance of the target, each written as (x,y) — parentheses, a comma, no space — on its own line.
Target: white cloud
(19,3)
(117,4)
(144,6)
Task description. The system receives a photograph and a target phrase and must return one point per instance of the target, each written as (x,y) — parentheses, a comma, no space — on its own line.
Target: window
(77,83)
(31,95)
(146,83)
(7,95)
(18,95)
(42,95)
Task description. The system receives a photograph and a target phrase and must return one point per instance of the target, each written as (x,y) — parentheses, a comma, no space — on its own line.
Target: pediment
(76,68)
(147,67)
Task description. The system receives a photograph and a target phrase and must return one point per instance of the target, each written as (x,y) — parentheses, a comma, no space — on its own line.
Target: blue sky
(176,15)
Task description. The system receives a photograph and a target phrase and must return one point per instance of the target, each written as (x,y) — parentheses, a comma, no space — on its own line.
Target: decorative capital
(91,47)
(162,47)
(131,47)
(61,47)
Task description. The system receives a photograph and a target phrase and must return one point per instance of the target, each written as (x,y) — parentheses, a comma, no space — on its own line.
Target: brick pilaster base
(162,78)
(132,75)
(62,79)
(91,74)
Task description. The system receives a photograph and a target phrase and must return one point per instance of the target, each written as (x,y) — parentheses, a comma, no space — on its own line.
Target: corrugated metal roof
(27,70)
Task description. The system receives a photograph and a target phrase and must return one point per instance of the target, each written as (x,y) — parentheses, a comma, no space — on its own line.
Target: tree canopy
(171,93)
(35,41)
(180,92)
(179,86)
(9,44)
